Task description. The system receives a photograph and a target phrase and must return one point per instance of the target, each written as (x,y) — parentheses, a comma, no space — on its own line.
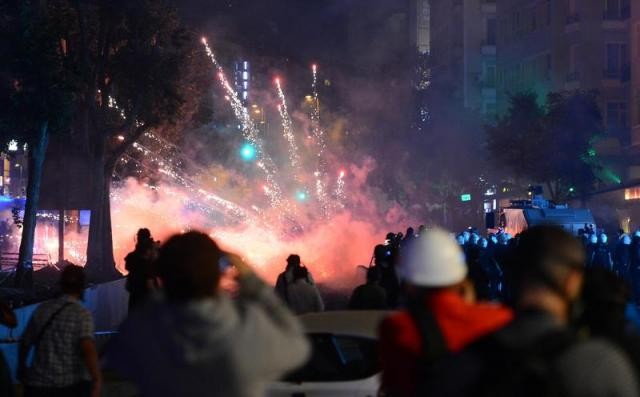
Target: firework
(250,133)
(287,128)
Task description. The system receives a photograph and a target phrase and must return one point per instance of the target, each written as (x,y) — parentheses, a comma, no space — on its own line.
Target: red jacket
(460,322)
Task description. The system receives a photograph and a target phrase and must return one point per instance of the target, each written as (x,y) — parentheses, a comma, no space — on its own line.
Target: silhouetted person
(369,296)
(634,271)
(383,261)
(196,340)
(604,300)
(442,315)
(602,254)
(140,265)
(538,354)
(591,248)
(622,257)
(408,237)
(286,278)
(61,333)
(303,297)
(8,319)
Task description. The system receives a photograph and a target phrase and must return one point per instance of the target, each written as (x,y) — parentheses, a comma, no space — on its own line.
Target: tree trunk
(100,261)
(37,154)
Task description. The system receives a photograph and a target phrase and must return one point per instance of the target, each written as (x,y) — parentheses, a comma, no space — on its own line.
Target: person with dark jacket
(140,265)
(602,254)
(384,261)
(549,278)
(369,296)
(622,257)
(604,300)
(8,319)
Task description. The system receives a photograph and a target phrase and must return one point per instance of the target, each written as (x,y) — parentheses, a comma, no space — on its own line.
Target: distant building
(242,79)
(463,51)
(549,45)
(421,26)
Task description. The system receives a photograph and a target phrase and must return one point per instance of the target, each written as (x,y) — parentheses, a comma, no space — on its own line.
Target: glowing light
(248,152)
(12,146)
(301,195)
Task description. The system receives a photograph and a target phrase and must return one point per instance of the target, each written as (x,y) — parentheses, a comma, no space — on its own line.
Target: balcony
(621,75)
(488,6)
(572,81)
(615,19)
(488,47)
(572,23)
(620,14)
(573,77)
(573,18)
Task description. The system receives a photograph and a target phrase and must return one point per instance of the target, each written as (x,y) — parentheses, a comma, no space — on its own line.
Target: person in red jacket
(435,275)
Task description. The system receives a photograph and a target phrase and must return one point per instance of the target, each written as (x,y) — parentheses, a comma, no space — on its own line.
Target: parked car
(344,360)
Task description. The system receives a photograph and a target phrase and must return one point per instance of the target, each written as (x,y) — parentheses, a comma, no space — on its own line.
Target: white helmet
(434,260)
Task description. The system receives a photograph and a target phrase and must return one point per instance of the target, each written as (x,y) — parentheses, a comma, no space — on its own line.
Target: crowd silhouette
(542,313)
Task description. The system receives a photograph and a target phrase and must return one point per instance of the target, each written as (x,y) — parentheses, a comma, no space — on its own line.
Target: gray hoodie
(211,347)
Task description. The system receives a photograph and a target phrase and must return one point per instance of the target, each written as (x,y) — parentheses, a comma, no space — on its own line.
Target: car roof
(355,323)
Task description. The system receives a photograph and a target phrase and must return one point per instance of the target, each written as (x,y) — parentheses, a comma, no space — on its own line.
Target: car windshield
(337,358)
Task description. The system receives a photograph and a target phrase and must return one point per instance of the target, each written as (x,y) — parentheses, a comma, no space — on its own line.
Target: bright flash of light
(248,152)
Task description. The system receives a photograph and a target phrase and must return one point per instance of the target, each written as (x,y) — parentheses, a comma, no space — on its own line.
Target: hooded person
(286,278)
(195,340)
(439,294)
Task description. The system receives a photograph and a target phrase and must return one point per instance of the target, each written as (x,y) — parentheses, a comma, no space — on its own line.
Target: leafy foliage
(551,145)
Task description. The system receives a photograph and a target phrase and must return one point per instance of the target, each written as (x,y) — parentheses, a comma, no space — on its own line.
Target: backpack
(434,348)
(495,367)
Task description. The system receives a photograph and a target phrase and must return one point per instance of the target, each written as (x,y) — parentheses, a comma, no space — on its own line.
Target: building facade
(551,45)
(463,49)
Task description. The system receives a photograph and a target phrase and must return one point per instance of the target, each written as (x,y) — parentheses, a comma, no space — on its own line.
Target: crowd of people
(535,314)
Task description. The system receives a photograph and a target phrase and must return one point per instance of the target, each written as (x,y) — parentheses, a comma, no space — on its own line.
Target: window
(572,12)
(617,60)
(616,115)
(491,31)
(616,9)
(490,76)
(547,15)
(573,63)
(547,65)
(337,358)
(637,38)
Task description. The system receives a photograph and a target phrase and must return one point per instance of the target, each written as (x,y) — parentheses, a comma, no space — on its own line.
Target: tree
(134,56)
(550,145)
(37,82)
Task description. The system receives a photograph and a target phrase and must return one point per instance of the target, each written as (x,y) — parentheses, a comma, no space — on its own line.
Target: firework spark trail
(226,206)
(250,133)
(318,133)
(339,191)
(287,129)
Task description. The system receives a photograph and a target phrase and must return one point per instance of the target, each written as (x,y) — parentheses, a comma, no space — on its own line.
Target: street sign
(465,197)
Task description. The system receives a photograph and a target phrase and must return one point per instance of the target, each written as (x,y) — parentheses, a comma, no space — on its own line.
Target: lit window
(245,75)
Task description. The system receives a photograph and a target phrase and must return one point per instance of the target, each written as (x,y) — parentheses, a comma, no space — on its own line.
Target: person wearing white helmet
(622,257)
(601,256)
(442,308)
